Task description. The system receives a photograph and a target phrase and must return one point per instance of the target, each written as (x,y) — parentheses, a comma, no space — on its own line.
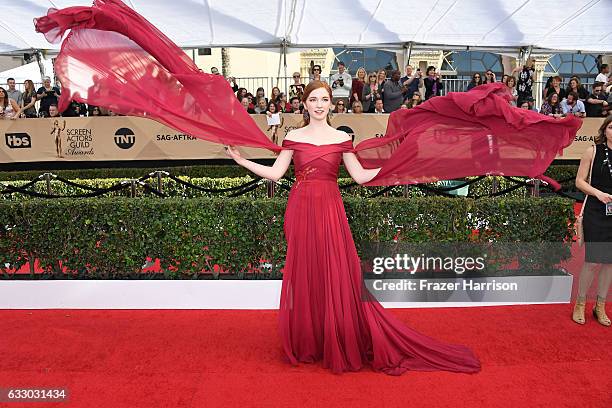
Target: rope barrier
(252,185)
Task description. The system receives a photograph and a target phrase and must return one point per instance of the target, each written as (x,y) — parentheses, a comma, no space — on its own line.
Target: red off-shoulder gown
(324,315)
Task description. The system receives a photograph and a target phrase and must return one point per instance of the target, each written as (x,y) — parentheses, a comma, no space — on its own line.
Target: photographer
(47,95)
(433,83)
(341,84)
(413,81)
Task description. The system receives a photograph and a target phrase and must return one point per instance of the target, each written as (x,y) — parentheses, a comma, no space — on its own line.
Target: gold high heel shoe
(599,311)
(578,314)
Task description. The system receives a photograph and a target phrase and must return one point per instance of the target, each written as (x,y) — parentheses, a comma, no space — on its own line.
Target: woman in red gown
(323,312)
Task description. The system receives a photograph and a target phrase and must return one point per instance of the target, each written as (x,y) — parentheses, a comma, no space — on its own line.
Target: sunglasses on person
(340,104)
(476,76)
(316,70)
(296,76)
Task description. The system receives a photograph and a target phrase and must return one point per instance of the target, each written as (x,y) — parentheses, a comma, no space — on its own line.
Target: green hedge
(110,238)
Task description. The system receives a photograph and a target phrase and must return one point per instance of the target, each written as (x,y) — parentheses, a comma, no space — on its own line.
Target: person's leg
(584,283)
(603,285)
(586,279)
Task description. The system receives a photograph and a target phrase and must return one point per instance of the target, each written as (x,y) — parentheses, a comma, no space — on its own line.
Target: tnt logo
(348,130)
(18,140)
(125,138)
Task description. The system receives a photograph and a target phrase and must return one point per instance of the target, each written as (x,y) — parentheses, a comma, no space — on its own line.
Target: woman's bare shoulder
(294,135)
(342,136)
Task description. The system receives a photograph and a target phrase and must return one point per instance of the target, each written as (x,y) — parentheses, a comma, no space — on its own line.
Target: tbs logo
(18,140)
(125,138)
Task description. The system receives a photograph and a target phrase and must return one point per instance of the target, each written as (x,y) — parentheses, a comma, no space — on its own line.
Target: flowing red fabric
(115,58)
(467,134)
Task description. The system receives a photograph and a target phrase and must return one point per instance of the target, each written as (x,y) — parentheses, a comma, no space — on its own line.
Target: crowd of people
(16,104)
(375,93)
(372,92)
(364,93)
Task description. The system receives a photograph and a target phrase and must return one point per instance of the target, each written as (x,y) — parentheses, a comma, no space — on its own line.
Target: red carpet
(532,356)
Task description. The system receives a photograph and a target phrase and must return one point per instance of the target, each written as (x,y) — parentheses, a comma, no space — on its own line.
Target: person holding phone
(341,84)
(370,94)
(433,83)
(413,81)
(47,95)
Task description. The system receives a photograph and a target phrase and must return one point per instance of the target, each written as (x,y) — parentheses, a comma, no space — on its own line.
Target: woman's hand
(233,153)
(604,198)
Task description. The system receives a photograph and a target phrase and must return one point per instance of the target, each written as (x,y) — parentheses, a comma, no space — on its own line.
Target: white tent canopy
(579,25)
(27,71)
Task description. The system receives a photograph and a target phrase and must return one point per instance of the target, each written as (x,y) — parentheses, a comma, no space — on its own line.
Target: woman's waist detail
(315,174)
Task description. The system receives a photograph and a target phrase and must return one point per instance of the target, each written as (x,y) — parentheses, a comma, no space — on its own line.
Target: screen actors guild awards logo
(57,132)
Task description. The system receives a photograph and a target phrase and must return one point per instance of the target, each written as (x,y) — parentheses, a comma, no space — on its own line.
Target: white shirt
(341,91)
(576,108)
(601,77)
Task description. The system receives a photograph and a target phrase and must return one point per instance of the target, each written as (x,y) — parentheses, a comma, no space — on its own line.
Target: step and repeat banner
(117,138)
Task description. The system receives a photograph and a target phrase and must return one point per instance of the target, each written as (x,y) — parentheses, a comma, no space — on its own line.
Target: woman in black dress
(476,81)
(433,83)
(597,225)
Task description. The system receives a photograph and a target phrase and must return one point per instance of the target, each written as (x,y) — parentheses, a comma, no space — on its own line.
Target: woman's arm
(582,178)
(274,172)
(356,170)
(28,106)
(16,108)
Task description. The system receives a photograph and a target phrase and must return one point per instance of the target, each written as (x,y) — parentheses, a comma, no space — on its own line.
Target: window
(466,63)
(369,58)
(566,65)
(204,51)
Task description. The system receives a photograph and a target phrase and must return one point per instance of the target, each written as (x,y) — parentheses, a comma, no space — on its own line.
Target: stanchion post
(495,185)
(159,180)
(48,182)
(132,188)
(535,188)
(271,187)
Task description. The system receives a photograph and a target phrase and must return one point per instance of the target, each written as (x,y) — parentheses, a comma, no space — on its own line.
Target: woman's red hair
(316,85)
